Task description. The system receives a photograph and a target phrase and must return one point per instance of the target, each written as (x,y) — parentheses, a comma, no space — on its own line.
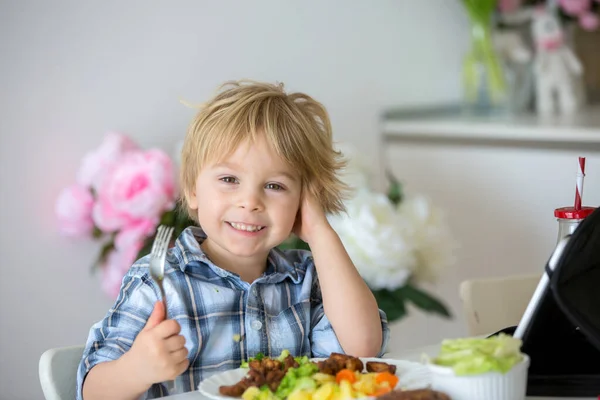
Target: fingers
(167,328)
(175,343)
(156,317)
(178,369)
(179,355)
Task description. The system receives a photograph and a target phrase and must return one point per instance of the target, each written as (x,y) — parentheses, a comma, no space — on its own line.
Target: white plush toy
(556,66)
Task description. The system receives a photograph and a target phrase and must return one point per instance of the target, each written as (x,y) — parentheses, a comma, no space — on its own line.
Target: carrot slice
(391,379)
(345,375)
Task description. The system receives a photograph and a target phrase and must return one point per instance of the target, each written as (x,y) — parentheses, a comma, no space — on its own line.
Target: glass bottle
(569,218)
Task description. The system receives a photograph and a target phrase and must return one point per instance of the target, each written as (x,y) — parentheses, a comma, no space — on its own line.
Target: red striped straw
(579,188)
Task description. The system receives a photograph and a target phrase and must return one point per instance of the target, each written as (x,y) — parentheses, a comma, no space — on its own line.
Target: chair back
(58,372)
(493,304)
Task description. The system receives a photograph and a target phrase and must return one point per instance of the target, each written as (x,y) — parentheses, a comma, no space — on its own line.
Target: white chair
(493,304)
(58,372)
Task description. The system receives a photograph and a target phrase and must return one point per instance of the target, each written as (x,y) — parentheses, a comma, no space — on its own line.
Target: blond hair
(295,125)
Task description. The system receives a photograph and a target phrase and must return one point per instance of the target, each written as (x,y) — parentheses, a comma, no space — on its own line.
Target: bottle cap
(572,213)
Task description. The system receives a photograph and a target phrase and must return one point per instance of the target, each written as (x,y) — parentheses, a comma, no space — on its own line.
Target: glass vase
(484,80)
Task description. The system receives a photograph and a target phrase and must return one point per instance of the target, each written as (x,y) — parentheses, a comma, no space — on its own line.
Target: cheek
(287,212)
(210,203)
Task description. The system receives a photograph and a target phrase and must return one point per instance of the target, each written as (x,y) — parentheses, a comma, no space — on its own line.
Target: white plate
(412,376)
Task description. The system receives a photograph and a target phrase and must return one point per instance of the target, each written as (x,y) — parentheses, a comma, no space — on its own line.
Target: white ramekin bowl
(489,386)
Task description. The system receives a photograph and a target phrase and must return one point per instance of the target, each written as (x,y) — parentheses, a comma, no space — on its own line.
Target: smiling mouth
(246,227)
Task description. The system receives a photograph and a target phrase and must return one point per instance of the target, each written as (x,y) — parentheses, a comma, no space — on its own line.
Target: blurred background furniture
(498,179)
(58,372)
(493,304)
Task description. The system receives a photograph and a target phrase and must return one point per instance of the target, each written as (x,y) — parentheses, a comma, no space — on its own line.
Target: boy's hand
(311,219)
(158,353)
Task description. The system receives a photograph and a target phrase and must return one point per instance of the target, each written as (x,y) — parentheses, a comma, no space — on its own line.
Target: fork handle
(171,386)
(164,298)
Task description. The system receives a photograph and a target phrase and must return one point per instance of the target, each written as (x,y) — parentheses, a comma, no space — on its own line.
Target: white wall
(71,70)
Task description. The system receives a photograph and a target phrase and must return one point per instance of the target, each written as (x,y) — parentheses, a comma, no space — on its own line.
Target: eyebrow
(237,168)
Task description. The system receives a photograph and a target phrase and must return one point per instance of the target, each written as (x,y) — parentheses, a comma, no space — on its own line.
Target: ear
(190,198)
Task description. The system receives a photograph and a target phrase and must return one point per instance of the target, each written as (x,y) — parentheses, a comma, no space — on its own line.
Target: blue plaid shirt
(224,320)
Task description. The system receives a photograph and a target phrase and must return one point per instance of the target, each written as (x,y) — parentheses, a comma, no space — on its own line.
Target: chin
(240,251)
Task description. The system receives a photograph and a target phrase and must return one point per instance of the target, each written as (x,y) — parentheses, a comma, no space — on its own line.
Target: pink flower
(132,234)
(74,211)
(589,21)
(508,6)
(95,163)
(575,7)
(116,265)
(140,186)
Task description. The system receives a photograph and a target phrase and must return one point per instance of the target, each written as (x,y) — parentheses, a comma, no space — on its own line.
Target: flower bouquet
(122,193)
(395,241)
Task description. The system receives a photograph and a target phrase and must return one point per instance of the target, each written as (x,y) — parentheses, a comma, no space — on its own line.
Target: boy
(257,165)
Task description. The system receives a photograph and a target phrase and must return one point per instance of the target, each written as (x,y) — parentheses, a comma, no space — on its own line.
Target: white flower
(378,240)
(434,244)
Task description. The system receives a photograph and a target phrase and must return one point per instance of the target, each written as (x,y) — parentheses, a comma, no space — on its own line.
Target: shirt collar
(187,247)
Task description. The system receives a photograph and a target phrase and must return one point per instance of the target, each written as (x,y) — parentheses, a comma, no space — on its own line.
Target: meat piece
(274,385)
(273,378)
(256,365)
(270,364)
(354,364)
(324,367)
(256,378)
(421,394)
(289,362)
(234,390)
(339,357)
(330,367)
(375,366)
(345,361)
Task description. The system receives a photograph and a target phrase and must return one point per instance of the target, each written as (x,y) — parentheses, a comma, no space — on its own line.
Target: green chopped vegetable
(474,356)
(302,360)
(293,379)
(266,394)
(283,355)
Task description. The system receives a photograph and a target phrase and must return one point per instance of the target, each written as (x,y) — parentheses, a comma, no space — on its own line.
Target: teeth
(247,228)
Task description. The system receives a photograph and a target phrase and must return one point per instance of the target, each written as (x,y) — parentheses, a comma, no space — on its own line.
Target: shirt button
(256,325)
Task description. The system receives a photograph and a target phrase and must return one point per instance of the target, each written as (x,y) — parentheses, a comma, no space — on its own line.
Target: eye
(274,186)
(229,179)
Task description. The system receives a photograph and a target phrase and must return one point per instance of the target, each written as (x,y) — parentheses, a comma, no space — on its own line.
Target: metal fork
(158,257)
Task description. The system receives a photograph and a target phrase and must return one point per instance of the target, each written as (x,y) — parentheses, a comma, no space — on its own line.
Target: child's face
(247,203)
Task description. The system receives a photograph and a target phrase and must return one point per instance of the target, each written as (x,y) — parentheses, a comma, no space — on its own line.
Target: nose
(251,200)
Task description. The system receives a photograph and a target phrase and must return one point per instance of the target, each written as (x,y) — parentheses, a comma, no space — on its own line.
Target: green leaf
(292,243)
(96,233)
(182,221)
(168,218)
(425,301)
(178,219)
(395,190)
(392,303)
(104,251)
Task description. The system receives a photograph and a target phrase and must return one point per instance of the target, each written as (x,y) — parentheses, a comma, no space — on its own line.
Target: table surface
(410,355)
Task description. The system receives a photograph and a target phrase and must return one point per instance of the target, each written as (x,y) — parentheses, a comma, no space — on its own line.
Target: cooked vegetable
(339,377)
(472,356)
